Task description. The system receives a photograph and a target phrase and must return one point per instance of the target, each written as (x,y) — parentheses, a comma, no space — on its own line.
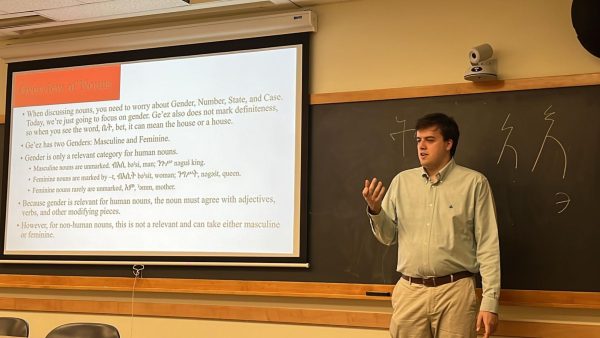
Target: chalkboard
(538,148)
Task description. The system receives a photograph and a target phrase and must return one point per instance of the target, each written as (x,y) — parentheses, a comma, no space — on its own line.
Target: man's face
(432,150)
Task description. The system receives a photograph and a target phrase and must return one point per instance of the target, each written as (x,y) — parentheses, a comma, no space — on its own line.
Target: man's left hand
(489,321)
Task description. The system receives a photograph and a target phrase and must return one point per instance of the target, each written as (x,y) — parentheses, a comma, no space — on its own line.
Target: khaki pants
(449,310)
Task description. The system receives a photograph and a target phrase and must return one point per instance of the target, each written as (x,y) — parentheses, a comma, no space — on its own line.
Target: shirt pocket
(456,209)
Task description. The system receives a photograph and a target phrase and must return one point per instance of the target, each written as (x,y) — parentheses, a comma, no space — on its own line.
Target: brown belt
(437,281)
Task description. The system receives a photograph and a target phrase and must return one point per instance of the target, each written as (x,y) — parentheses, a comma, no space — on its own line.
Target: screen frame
(301,39)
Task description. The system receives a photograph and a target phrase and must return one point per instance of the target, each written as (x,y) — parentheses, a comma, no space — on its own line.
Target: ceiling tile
(15,6)
(108,8)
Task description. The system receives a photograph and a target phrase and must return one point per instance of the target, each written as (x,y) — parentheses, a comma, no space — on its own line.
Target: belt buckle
(425,280)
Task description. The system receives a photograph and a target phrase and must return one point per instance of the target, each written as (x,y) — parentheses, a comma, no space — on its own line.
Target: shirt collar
(442,174)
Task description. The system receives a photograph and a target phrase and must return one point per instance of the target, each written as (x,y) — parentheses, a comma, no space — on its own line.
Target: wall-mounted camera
(483,66)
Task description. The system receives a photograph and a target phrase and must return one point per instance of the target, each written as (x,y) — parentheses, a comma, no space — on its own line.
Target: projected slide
(191,156)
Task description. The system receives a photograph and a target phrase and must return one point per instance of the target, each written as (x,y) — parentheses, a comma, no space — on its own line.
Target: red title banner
(82,84)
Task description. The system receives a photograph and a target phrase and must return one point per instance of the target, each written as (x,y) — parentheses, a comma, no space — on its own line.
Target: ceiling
(26,18)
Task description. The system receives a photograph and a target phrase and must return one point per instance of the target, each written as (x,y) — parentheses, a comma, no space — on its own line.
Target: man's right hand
(373,193)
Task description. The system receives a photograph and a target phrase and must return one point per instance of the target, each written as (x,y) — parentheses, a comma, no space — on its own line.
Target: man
(443,218)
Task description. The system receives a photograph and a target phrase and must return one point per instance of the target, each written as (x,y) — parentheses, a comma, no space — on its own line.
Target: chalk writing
(566,201)
(547,116)
(402,132)
(506,145)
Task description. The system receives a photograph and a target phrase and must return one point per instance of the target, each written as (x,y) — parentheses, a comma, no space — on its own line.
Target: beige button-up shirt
(443,225)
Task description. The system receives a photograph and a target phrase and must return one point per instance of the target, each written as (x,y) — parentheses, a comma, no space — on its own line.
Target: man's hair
(448,127)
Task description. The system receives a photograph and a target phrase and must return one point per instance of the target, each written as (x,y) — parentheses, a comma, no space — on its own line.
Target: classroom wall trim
(307,316)
(457,89)
(555,299)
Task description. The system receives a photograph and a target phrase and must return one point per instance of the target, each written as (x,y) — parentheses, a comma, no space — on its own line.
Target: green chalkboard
(538,148)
